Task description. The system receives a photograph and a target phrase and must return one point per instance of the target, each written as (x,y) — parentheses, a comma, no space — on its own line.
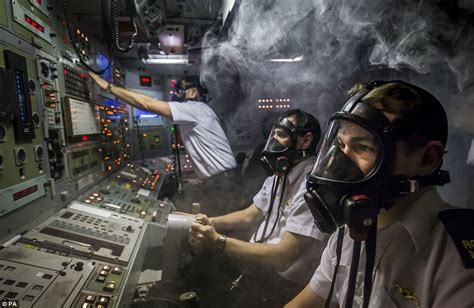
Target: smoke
(428,43)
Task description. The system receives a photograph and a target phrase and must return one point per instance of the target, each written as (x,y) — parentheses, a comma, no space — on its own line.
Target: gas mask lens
(349,153)
(278,141)
(181,94)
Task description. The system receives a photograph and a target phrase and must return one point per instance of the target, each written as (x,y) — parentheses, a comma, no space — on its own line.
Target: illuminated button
(100,278)
(104,300)
(106,268)
(101,306)
(86,305)
(103,273)
(109,286)
(117,270)
(90,299)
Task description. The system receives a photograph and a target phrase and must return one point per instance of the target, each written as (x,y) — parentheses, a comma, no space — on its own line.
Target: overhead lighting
(160,59)
(295,59)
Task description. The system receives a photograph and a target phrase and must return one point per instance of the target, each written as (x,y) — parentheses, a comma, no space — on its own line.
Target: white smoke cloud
(429,43)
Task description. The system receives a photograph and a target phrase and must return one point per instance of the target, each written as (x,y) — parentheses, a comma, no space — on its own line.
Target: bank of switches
(132,191)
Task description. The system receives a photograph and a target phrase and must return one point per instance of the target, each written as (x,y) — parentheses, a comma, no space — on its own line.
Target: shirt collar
(421,216)
(300,169)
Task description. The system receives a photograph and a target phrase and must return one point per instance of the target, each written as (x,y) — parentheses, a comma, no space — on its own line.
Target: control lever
(79,244)
(52,184)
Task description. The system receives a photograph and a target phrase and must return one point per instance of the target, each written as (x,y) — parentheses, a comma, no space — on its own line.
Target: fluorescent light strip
(165,61)
(295,59)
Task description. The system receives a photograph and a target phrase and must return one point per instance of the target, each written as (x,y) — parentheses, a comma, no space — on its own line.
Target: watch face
(221,242)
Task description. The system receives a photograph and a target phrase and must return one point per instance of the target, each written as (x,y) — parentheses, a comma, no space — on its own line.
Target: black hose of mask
(353,274)
(270,210)
(279,207)
(369,267)
(275,185)
(340,239)
(370,245)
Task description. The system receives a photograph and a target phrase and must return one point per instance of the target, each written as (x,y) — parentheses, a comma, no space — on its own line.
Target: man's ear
(431,158)
(194,92)
(306,140)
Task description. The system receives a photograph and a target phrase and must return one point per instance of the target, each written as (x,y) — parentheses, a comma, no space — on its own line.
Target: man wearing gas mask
(373,182)
(202,135)
(286,241)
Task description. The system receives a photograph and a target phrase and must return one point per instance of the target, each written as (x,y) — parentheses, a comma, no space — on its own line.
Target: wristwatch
(220,245)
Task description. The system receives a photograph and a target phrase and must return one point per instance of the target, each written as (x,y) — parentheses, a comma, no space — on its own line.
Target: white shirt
(295,217)
(203,137)
(414,254)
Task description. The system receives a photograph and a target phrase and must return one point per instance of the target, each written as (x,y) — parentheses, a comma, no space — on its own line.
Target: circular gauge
(36,119)
(39,152)
(31,85)
(21,156)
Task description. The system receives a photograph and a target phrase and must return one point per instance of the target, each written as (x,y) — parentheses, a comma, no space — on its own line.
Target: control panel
(22,154)
(90,233)
(116,148)
(32,22)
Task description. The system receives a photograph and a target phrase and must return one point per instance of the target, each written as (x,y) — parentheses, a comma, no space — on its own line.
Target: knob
(79,266)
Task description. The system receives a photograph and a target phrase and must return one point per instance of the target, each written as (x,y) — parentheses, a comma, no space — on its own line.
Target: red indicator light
(83,75)
(65,39)
(65,71)
(25,192)
(173,80)
(85,138)
(145,81)
(36,25)
(39,1)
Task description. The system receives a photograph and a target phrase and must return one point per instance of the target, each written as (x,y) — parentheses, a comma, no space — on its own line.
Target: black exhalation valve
(360,215)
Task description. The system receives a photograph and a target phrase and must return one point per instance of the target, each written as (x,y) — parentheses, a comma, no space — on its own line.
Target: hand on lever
(202,234)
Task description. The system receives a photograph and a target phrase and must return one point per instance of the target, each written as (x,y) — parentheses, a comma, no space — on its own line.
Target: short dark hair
(411,104)
(306,122)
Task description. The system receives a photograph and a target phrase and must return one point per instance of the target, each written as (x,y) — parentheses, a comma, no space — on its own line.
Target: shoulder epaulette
(460,225)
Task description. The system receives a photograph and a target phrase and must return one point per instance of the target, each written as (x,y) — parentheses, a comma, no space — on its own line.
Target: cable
(75,44)
(176,159)
(114,9)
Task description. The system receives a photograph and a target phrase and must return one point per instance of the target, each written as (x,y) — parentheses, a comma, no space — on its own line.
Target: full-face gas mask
(280,151)
(185,84)
(351,179)
(181,91)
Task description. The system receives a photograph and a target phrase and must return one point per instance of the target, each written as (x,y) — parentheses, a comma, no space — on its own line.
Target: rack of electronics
(77,214)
